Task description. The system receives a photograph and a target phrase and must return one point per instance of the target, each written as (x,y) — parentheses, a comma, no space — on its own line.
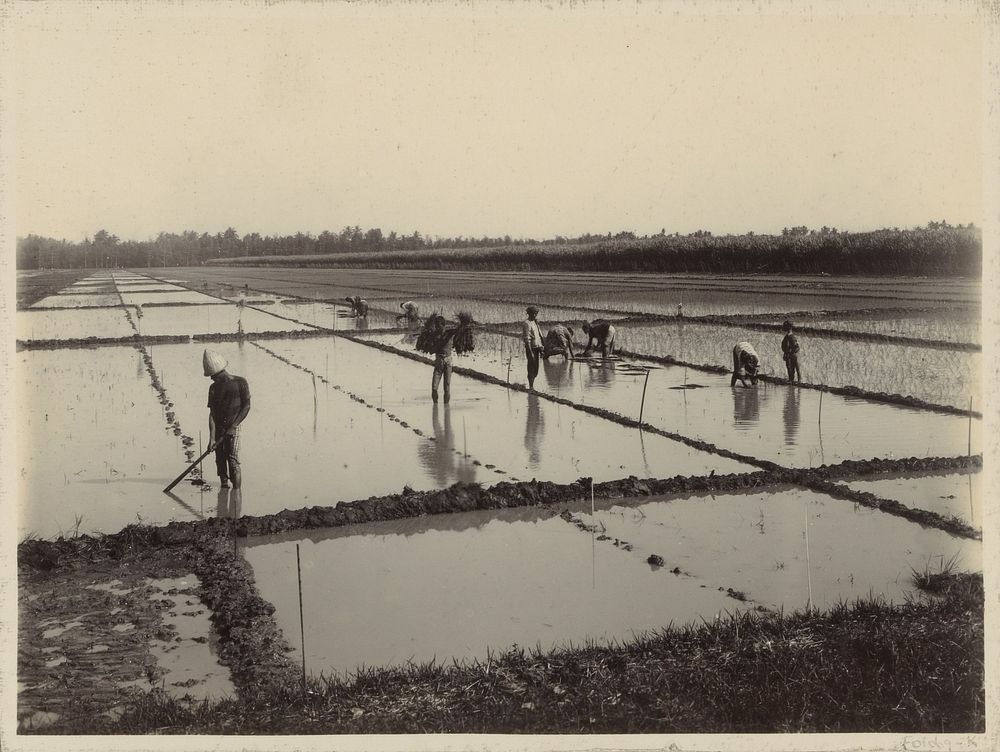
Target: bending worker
(600,334)
(559,341)
(359,306)
(228,405)
(746,362)
(410,311)
(790,352)
(533,345)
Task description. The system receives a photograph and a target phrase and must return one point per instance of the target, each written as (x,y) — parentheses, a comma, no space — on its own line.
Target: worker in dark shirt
(228,405)
(601,334)
(442,360)
(790,352)
(359,306)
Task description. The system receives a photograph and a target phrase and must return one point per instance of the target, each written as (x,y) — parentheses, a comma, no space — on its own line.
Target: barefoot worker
(533,345)
(601,334)
(438,339)
(359,306)
(228,405)
(410,312)
(559,341)
(745,364)
(790,352)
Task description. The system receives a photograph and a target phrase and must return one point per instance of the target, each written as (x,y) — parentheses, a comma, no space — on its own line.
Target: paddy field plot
(342,411)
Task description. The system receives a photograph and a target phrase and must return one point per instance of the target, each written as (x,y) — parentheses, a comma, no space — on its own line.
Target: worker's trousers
(442,370)
(534,356)
(227,458)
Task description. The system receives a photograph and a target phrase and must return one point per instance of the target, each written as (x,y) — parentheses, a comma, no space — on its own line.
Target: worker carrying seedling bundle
(746,363)
(559,341)
(440,340)
(359,306)
(533,345)
(228,405)
(410,311)
(600,333)
(790,352)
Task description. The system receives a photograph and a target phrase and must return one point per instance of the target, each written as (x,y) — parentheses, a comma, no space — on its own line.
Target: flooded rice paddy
(949,494)
(531,578)
(779,423)
(102,430)
(941,376)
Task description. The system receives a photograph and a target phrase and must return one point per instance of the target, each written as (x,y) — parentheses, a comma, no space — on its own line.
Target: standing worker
(790,352)
(559,341)
(746,362)
(600,334)
(228,405)
(410,312)
(533,345)
(442,360)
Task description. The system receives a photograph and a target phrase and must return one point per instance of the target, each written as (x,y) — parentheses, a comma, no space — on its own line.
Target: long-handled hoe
(189,468)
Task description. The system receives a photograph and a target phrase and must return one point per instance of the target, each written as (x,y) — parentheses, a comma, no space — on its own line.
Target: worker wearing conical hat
(228,405)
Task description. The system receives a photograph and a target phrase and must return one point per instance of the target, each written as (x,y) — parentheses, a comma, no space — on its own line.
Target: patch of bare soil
(88,637)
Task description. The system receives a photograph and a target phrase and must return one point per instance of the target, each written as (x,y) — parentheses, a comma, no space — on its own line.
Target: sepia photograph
(499,375)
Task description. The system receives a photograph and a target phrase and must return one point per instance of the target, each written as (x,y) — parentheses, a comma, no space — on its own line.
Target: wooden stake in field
(465,441)
(642,404)
(302,623)
(808,567)
(820,421)
(970,426)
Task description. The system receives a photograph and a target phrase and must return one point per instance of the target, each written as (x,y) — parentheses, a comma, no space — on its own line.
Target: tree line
(938,248)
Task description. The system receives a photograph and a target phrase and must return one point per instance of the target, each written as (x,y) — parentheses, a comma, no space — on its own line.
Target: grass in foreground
(867,666)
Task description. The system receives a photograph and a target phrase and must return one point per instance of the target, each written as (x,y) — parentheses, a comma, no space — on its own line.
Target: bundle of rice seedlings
(429,339)
(463,334)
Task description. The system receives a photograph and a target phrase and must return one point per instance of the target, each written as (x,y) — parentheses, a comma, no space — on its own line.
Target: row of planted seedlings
(851,392)
(944,371)
(253,645)
(172,423)
(315,516)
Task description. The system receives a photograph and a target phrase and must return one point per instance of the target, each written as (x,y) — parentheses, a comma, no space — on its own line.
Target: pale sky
(528,121)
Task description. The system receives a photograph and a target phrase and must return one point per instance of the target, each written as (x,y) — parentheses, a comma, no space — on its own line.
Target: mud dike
(673,546)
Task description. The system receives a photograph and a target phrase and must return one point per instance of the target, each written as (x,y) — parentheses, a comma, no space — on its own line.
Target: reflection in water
(558,372)
(184,505)
(439,456)
(229,503)
(533,431)
(790,415)
(601,375)
(746,406)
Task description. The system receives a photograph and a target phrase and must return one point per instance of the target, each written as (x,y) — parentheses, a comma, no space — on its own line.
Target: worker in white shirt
(533,345)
